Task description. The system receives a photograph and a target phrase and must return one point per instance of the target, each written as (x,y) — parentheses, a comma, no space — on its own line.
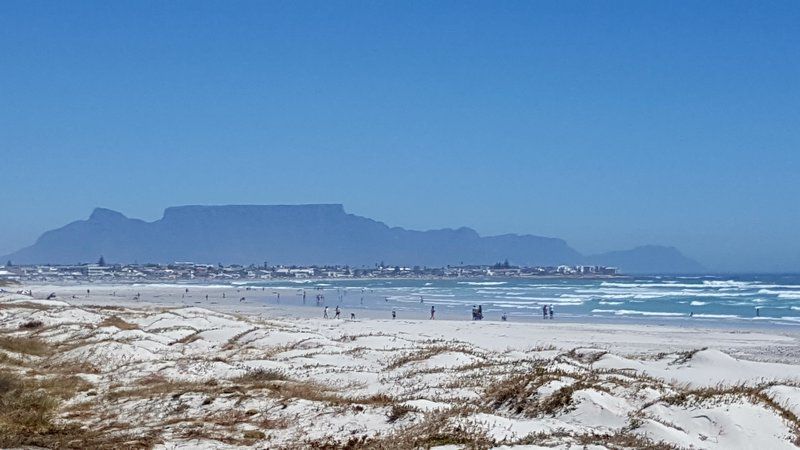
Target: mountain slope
(280,234)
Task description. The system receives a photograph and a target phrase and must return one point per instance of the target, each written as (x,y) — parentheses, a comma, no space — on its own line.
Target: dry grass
(28,407)
(397,412)
(684,357)
(755,394)
(116,321)
(261,376)
(436,429)
(24,345)
(427,352)
(618,440)
(156,386)
(188,339)
(31,325)
(24,305)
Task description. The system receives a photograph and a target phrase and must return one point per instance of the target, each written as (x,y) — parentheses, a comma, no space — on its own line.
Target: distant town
(188,271)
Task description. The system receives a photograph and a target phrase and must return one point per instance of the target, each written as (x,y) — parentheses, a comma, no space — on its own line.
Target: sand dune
(192,377)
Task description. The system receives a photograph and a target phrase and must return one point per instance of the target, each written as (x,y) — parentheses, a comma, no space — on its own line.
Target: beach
(161,366)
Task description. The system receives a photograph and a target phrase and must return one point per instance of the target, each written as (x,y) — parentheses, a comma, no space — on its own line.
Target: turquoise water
(757,298)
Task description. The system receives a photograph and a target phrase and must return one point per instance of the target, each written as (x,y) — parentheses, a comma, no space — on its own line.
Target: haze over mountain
(310,234)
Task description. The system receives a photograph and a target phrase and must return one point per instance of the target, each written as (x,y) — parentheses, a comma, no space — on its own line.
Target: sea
(741,300)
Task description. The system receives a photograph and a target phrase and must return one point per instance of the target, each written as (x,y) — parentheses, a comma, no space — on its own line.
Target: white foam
(630,312)
(716,316)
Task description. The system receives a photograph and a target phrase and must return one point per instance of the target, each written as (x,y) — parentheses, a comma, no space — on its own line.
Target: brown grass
(24,345)
(116,321)
(31,325)
(28,407)
(24,305)
(261,376)
(424,353)
(188,339)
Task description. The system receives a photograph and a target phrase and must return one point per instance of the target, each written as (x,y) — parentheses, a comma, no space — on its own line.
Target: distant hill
(649,259)
(305,234)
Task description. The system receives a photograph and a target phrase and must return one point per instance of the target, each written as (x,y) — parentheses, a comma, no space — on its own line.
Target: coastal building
(97,271)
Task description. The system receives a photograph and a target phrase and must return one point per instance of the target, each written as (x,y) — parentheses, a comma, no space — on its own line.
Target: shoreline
(262,299)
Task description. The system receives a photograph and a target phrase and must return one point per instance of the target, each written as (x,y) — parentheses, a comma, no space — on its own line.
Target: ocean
(741,299)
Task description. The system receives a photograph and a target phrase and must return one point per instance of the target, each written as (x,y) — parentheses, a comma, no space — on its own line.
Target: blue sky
(608,124)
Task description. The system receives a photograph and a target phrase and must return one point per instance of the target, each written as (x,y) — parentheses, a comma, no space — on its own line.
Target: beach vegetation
(24,345)
(116,321)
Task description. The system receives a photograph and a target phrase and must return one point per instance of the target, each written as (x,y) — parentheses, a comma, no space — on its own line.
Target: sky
(609,124)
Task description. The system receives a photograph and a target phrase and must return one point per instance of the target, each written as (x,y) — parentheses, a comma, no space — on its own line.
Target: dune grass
(25,345)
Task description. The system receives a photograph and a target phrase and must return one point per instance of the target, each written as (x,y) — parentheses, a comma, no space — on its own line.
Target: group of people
(337,313)
(547,310)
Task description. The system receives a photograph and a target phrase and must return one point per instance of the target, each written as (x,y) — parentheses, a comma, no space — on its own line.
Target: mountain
(649,259)
(304,234)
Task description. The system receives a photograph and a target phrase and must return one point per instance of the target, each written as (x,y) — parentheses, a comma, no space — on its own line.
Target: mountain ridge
(310,234)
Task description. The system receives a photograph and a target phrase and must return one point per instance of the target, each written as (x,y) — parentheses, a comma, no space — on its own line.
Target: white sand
(621,382)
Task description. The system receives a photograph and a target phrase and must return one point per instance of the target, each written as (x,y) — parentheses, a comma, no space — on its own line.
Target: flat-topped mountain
(295,234)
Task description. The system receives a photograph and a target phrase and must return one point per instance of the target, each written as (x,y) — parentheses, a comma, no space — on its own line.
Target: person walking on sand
(352,316)
(550,310)
(544,311)
(337,313)
(433,312)
(325,313)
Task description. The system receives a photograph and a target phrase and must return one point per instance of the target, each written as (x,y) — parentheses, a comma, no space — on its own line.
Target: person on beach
(758,311)
(394,314)
(352,316)
(504,317)
(433,312)
(544,311)
(304,296)
(550,310)
(337,312)
(325,313)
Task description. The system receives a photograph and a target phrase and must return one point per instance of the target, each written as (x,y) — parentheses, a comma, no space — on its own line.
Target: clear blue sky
(609,124)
